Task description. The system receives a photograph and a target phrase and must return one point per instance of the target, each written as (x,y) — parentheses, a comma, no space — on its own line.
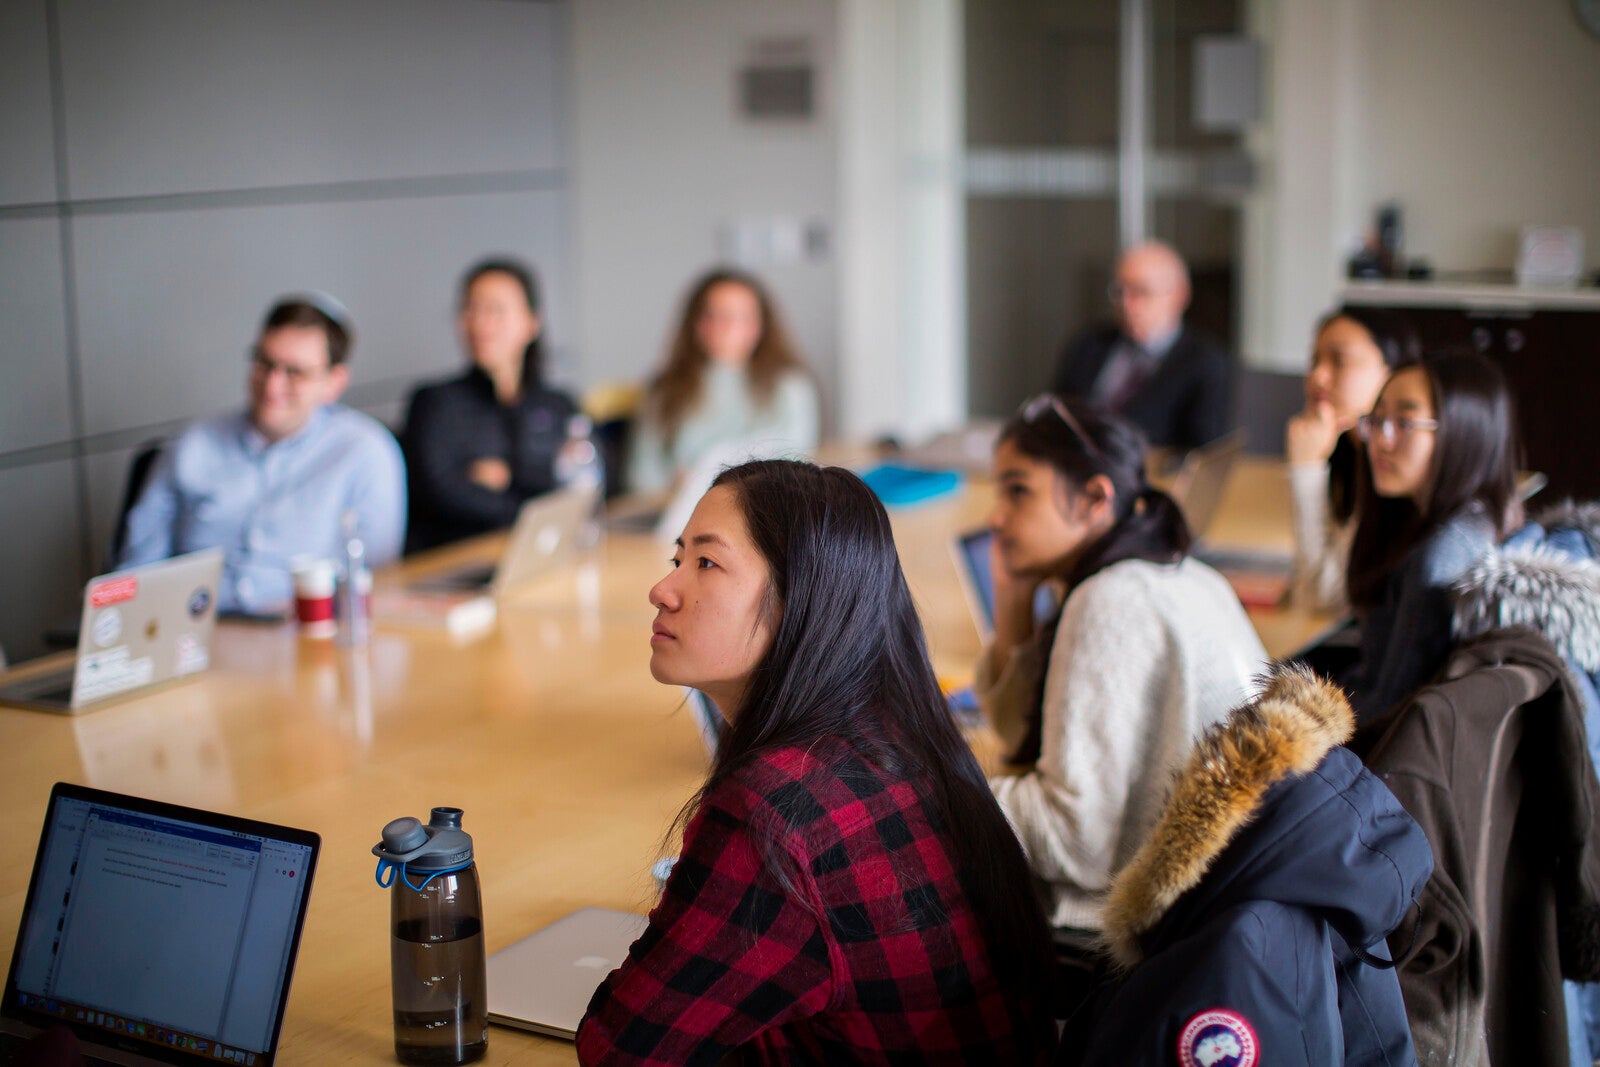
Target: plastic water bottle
(355,586)
(436,957)
(580,466)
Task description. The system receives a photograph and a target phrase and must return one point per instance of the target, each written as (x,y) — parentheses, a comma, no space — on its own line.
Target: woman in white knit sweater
(1354,352)
(1101,704)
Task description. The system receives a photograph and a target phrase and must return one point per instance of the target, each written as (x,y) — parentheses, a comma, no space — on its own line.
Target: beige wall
(1481,116)
(662,163)
(1476,116)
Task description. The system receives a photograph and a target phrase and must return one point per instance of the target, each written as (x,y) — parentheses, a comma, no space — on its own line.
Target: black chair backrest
(144,460)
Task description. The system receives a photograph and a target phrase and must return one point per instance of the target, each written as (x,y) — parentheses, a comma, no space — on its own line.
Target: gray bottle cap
(403,835)
(440,845)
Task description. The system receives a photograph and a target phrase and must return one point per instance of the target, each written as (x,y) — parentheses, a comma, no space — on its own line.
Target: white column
(902,263)
(1133,132)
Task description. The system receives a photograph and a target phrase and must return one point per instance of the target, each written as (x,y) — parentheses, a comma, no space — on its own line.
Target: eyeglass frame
(297,377)
(1393,428)
(1036,406)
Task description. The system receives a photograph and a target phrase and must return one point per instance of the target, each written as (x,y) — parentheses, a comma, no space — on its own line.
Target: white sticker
(103,673)
(107,627)
(192,654)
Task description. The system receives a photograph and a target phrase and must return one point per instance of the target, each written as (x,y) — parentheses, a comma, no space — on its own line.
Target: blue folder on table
(897,485)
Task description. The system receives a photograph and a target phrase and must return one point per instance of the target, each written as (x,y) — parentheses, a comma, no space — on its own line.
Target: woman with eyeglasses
(1438,491)
(848,890)
(1354,352)
(1101,701)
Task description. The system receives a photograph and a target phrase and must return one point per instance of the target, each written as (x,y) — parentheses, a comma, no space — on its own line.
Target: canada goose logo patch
(1218,1037)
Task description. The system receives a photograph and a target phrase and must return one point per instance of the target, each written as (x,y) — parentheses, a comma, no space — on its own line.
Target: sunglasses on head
(1034,410)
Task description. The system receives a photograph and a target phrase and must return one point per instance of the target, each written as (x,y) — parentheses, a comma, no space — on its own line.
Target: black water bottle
(441,1014)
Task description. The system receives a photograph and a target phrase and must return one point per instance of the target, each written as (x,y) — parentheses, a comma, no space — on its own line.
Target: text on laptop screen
(156,923)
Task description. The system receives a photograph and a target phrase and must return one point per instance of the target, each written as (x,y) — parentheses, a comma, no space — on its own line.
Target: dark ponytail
(1149,524)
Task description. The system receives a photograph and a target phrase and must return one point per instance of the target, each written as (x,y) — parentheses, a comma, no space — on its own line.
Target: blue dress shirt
(220,483)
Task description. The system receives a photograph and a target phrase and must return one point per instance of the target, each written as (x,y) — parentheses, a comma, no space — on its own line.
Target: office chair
(144,460)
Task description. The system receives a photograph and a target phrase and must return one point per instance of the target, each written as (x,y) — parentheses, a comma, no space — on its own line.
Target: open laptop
(1199,484)
(545,536)
(545,981)
(971,552)
(665,515)
(139,628)
(159,934)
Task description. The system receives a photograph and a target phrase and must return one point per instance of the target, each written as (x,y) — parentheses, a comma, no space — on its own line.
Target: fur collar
(1536,587)
(1287,730)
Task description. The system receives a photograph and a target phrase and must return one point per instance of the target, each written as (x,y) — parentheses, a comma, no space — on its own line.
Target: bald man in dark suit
(1174,384)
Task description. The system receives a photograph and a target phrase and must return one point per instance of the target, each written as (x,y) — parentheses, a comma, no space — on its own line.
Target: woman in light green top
(732,382)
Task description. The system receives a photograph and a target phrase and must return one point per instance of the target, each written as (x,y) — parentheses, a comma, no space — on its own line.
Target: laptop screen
(972,551)
(163,930)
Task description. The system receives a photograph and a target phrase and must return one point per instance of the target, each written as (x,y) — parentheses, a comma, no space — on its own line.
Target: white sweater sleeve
(1006,697)
(1321,547)
(1105,686)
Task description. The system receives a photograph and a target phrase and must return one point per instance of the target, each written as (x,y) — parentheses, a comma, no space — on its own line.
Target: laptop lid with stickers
(140,628)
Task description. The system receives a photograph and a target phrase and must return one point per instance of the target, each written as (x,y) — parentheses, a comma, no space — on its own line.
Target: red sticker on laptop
(114,591)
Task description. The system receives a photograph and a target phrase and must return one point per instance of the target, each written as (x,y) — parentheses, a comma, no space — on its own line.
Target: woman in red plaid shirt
(849,891)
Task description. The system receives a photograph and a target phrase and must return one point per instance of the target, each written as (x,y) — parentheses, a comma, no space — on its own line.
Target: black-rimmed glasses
(265,365)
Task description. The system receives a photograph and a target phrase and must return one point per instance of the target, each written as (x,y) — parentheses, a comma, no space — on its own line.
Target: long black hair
(1400,347)
(528,282)
(848,661)
(1148,524)
(1476,453)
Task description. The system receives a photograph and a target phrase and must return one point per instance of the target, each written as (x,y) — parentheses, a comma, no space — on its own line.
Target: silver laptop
(158,934)
(547,534)
(665,515)
(970,550)
(139,628)
(544,982)
(1200,482)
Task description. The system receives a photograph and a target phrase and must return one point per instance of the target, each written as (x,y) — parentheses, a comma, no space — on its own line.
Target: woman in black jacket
(479,445)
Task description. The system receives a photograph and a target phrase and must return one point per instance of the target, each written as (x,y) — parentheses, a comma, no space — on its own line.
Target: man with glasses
(275,481)
(1174,384)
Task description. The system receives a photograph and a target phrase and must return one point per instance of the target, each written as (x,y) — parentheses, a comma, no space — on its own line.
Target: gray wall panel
(26,142)
(224,152)
(167,96)
(35,406)
(40,583)
(169,301)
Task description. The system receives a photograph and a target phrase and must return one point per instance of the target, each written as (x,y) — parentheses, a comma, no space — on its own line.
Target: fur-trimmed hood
(1544,577)
(1268,807)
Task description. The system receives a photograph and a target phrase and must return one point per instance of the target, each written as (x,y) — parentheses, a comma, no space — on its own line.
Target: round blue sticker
(1218,1037)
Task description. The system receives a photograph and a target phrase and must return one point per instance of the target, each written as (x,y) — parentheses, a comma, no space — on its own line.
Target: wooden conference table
(567,758)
